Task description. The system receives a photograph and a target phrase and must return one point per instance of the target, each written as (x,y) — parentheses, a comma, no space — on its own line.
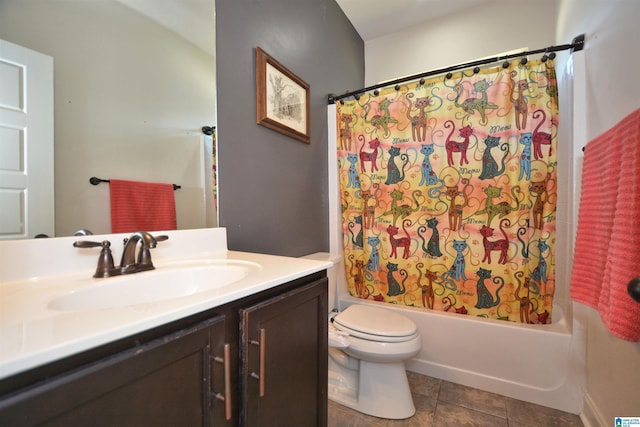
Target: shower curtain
(448,191)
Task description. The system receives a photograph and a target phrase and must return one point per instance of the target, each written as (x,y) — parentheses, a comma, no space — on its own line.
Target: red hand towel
(141,206)
(607,252)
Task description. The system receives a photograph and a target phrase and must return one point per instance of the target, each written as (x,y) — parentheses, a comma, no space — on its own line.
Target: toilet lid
(363,320)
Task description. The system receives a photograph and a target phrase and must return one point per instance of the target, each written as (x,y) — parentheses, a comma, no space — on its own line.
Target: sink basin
(169,281)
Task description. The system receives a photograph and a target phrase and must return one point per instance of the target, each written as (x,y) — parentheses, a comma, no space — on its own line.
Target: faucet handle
(87,244)
(144,256)
(106,267)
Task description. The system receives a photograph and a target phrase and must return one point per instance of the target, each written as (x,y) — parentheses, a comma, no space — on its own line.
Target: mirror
(132,92)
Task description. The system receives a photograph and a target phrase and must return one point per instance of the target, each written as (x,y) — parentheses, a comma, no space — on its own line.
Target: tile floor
(444,404)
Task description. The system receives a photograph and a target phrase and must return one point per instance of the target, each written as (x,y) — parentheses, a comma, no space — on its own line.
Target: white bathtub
(534,363)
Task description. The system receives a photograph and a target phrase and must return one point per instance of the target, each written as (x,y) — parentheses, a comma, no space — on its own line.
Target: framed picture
(282,98)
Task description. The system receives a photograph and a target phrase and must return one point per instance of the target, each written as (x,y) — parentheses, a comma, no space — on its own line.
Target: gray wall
(273,189)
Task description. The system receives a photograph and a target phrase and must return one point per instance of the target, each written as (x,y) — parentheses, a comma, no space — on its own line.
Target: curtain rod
(576,45)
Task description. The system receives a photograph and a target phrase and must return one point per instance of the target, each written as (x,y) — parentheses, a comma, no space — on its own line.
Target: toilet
(368,346)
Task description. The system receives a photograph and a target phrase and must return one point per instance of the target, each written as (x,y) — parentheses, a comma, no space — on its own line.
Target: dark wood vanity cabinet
(160,382)
(259,361)
(284,360)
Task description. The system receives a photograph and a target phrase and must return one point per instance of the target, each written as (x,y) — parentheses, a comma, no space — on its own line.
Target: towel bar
(95,181)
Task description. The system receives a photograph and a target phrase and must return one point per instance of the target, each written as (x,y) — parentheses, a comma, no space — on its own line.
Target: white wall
(611,92)
(130,100)
(482,31)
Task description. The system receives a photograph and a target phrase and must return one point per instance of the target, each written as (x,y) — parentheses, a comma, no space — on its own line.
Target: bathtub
(534,363)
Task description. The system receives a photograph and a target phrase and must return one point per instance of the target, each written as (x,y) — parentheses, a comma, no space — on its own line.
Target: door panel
(26,143)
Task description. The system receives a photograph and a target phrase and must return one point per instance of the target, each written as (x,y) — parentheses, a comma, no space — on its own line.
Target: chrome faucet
(128,264)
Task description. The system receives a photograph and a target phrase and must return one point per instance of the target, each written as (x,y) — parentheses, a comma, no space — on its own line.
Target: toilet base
(382,389)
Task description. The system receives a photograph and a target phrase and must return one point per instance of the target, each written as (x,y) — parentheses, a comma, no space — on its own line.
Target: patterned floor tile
(529,414)
(425,410)
(424,385)
(442,404)
(489,403)
(449,415)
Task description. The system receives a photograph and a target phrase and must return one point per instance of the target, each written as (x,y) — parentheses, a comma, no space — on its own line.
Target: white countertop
(32,334)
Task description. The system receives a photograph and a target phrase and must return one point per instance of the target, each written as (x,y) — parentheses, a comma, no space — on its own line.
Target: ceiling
(371,17)
(192,19)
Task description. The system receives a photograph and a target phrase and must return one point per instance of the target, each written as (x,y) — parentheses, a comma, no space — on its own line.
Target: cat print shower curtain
(449,189)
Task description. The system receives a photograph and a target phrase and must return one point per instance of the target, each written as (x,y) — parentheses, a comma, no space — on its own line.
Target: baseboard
(591,416)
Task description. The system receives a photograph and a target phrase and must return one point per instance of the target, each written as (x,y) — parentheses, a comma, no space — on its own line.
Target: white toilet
(367,349)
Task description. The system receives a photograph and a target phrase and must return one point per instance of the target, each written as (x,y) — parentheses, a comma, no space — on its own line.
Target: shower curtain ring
(545,56)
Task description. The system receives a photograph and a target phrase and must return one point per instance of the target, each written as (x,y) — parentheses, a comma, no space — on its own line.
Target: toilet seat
(376,324)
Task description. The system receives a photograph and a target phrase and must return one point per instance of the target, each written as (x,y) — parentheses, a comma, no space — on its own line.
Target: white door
(26,143)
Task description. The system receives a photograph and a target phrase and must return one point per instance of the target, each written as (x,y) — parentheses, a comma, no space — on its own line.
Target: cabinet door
(164,382)
(284,359)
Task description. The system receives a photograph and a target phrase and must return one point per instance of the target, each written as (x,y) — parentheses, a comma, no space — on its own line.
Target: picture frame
(282,98)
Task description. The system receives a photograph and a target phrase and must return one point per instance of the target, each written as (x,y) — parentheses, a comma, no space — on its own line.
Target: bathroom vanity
(252,352)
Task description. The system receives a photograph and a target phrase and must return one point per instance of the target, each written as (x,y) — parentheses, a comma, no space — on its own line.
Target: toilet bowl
(369,374)
(368,346)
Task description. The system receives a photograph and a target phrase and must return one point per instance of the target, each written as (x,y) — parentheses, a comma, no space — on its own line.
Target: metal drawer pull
(261,344)
(226,398)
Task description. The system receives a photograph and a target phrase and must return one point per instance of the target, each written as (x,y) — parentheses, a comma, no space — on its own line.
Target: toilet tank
(332,274)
